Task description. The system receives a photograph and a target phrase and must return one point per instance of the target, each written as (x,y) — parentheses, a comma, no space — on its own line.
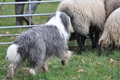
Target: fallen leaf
(49,63)
(0,20)
(118,61)
(102,49)
(37,16)
(13,37)
(83,60)
(6,17)
(24,21)
(75,48)
(75,40)
(44,16)
(80,70)
(27,71)
(76,77)
(97,63)
(108,77)
(55,66)
(111,60)
(7,32)
(4,40)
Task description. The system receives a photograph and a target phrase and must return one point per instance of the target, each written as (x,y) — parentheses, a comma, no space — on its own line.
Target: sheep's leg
(83,38)
(97,32)
(113,46)
(92,40)
(94,37)
(79,41)
(72,37)
(91,34)
(100,48)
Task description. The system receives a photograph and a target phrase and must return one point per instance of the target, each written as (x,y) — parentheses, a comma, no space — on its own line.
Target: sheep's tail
(12,54)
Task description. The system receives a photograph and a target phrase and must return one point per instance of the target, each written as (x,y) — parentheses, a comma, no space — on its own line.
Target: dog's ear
(52,15)
(70,26)
(65,19)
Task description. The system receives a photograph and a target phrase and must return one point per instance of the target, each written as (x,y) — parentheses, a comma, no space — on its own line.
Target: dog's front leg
(66,57)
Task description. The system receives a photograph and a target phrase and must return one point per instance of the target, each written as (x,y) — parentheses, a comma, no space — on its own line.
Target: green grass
(85,66)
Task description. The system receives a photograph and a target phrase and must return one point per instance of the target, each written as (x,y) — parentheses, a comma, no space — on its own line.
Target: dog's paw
(63,62)
(9,77)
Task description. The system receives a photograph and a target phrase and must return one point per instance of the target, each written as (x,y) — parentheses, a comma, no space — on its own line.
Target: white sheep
(111,5)
(87,16)
(111,31)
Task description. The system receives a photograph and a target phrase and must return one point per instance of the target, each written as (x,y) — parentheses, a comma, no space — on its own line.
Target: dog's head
(65,20)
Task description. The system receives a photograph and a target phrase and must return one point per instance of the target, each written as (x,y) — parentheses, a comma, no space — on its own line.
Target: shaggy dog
(37,44)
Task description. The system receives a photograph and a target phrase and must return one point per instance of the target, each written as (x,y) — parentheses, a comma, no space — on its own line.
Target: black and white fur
(37,44)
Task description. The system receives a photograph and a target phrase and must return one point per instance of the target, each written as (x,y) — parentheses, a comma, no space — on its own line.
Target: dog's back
(43,38)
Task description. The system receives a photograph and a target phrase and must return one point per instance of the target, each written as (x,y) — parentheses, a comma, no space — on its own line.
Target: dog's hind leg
(45,67)
(12,68)
(66,57)
(34,67)
(36,62)
(10,74)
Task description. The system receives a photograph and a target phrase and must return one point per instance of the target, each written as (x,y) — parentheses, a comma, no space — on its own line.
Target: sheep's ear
(100,48)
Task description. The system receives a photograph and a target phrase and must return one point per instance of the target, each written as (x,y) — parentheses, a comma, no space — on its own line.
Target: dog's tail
(12,54)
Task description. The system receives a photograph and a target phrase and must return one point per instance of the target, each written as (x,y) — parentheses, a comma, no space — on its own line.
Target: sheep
(111,31)
(111,5)
(87,17)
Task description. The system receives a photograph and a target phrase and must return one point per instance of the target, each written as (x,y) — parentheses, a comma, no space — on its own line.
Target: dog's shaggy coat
(111,31)
(39,43)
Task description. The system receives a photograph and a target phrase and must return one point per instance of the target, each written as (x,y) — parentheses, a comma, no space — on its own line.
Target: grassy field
(85,66)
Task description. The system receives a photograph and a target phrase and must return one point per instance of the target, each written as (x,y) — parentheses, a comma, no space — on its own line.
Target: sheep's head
(104,44)
(101,45)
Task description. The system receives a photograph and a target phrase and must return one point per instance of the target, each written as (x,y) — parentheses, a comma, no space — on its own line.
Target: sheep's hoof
(83,49)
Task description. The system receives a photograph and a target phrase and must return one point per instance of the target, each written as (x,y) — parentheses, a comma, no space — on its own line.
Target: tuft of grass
(82,65)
